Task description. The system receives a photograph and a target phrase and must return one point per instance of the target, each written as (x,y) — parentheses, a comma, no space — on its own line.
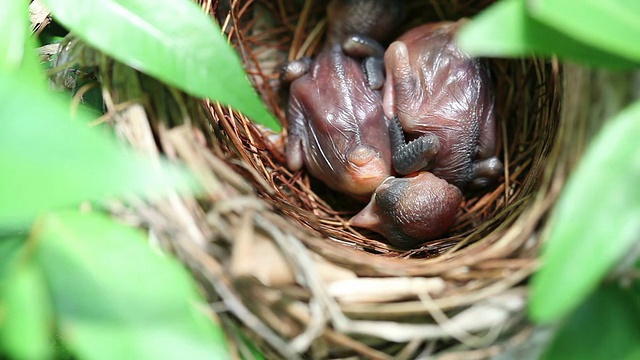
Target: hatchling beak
(367,218)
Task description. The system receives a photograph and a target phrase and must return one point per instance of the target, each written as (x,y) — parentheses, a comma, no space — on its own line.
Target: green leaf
(505,29)
(171,40)
(606,326)
(17,48)
(15,26)
(612,25)
(49,161)
(116,298)
(10,248)
(25,328)
(595,220)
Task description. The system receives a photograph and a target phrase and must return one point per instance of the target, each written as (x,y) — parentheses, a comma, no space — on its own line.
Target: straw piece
(491,313)
(372,290)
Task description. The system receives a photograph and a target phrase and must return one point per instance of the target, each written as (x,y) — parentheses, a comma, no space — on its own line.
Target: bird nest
(273,249)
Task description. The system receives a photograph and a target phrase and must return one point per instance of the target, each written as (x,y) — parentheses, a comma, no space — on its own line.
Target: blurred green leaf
(173,41)
(505,29)
(15,26)
(612,25)
(17,48)
(10,248)
(26,326)
(596,219)
(49,161)
(606,326)
(116,298)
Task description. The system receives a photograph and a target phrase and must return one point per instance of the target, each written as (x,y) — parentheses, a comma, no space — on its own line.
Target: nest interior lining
(524,104)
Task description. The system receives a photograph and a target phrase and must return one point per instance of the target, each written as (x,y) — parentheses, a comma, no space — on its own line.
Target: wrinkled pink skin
(337,128)
(435,88)
(409,211)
